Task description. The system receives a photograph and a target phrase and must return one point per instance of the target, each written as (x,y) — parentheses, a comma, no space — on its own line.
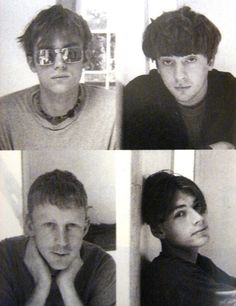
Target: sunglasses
(46,57)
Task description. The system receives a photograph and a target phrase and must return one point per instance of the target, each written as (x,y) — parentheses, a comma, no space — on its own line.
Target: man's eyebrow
(178,207)
(166,57)
(71,44)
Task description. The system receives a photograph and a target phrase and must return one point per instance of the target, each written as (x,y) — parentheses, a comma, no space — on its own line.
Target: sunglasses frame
(55,52)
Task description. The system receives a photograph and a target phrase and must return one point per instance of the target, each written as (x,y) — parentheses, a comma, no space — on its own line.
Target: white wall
(95,169)
(11,208)
(130,61)
(14,16)
(215,173)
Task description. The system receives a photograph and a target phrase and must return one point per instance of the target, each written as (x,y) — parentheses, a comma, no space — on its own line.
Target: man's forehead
(47,209)
(59,40)
(183,197)
(179,56)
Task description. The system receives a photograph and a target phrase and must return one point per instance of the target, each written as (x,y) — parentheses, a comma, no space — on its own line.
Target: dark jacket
(172,281)
(152,119)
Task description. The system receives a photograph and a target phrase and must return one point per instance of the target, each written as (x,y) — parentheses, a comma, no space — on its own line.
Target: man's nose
(196,217)
(61,237)
(59,62)
(180,72)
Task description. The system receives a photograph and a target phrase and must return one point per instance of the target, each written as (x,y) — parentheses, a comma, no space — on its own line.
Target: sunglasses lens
(45,57)
(71,55)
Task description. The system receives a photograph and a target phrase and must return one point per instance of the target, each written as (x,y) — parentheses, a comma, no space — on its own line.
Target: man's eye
(49,225)
(71,226)
(180,213)
(191,59)
(167,62)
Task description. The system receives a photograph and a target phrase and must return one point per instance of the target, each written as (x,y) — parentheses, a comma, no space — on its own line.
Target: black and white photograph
(181,92)
(58,228)
(57,76)
(187,227)
(117,161)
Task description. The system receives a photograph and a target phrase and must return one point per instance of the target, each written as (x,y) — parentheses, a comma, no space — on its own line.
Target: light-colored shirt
(92,127)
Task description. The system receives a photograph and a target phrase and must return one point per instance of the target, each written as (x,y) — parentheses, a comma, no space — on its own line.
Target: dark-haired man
(60,112)
(175,209)
(52,265)
(184,103)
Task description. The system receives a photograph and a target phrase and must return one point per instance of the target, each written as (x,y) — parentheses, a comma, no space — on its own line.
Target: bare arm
(40,273)
(65,282)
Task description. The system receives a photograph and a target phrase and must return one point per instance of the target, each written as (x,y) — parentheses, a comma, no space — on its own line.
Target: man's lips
(60,77)
(182,87)
(200,230)
(61,254)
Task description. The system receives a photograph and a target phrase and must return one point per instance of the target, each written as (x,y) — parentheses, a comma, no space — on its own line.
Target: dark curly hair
(159,194)
(49,21)
(181,32)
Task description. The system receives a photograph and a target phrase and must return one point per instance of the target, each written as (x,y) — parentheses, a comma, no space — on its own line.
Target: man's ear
(30,61)
(86,227)
(28,226)
(158,232)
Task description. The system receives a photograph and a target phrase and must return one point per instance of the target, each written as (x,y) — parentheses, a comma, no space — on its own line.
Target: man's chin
(59,266)
(59,263)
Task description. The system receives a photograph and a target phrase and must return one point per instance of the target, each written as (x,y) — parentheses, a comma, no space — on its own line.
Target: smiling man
(53,265)
(176,211)
(184,103)
(60,112)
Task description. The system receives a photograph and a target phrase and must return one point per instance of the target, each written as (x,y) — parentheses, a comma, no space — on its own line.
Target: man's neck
(58,104)
(188,254)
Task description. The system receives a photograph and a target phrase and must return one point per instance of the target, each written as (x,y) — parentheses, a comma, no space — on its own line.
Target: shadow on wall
(103,235)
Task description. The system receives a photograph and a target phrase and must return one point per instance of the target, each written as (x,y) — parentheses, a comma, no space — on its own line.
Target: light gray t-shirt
(91,127)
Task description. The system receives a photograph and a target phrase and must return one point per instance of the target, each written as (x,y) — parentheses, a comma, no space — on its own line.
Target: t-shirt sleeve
(7,296)
(104,293)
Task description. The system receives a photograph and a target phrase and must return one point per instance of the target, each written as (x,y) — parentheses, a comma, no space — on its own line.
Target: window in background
(100,67)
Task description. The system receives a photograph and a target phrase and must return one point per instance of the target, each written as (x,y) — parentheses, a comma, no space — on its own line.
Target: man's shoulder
(99,94)
(93,251)
(224,78)
(21,96)
(144,90)
(144,80)
(13,246)
(170,270)
(96,259)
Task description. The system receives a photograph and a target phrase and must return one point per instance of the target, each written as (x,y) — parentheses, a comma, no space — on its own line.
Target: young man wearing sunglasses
(184,103)
(60,112)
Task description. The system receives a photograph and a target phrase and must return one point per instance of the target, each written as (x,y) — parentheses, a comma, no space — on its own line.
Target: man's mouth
(182,87)
(60,77)
(60,254)
(200,230)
